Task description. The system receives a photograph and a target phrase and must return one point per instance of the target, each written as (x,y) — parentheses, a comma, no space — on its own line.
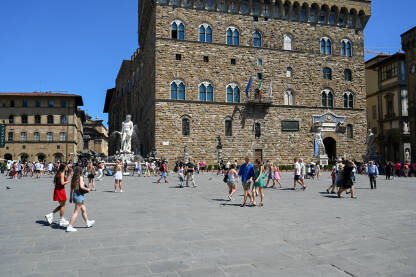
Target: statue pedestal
(126,173)
(323,160)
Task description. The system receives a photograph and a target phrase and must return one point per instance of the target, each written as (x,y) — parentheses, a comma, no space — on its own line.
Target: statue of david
(126,134)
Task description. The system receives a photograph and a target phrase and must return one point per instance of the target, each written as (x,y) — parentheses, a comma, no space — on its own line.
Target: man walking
(297,171)
(190,168)
(246,174)
(372,172)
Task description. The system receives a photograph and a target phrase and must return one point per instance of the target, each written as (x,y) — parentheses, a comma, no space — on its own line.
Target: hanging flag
(271,88)
(316,147)
(249,86)
(260,88)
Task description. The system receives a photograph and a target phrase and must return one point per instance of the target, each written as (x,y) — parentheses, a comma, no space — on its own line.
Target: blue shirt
(372,169)
(246,172)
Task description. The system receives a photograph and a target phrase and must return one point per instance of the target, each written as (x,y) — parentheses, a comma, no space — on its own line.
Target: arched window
(257,130)
(206,92)
(327,73)
(303,13)
(346,48)
(23,136)
(228,128)
(24,119)
(186,128)
(289,97)
(351,19)
(348,75)
(205,33)
(233,93)
(178,30)
(348,100)
(289,72)
(177,90)
(287,42)
(256,39)
(49,136)
(326,46)
(50,119)
(233,36)
(350,133)
(63,119)
(11,119)
(327,98)
(295,12)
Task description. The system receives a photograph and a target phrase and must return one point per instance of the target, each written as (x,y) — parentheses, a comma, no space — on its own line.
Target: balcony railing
(264,100)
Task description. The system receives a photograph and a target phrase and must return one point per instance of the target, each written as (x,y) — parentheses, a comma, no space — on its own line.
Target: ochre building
(306,60)
(41,126)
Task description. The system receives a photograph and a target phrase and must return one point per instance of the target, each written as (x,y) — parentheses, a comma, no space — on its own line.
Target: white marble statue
(407,155)
(406,128)
(126,134)
(321,146)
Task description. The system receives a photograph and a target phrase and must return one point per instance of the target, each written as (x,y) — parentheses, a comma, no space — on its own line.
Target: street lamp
(219,150)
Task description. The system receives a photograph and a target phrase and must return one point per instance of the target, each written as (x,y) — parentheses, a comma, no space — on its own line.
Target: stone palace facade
(195,61)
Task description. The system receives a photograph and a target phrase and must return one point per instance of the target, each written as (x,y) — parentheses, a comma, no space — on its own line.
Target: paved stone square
(160,230)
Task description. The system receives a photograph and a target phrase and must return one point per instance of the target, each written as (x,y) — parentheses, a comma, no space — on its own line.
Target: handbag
(225,180)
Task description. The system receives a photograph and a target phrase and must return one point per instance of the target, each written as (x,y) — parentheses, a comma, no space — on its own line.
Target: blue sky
(77,46)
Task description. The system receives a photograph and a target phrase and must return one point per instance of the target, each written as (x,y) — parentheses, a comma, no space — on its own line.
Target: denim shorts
(77,198)
(164,175)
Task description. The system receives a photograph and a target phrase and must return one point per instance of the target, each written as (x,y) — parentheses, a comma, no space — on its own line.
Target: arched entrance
(331,148)
(24,157)
(41,157)
(58,157)
(8,157)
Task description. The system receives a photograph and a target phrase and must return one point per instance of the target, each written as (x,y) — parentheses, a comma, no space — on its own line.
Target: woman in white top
(232,180)
(118,176)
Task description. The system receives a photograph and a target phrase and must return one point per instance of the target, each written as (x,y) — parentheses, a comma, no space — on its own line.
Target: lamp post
(219,150)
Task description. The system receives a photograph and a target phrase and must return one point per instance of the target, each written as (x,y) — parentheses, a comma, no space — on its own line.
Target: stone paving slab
(161,230)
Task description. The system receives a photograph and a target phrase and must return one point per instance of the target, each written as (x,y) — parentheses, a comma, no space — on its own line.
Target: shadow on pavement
(219,199)
(330,196)
(233,204)
(54,225)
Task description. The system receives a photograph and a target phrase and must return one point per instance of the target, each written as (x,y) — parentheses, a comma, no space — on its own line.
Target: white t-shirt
(50,167)
(297,168)
(227,165)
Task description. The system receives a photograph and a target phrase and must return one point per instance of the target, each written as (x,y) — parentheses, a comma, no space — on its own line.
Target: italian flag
(260,88)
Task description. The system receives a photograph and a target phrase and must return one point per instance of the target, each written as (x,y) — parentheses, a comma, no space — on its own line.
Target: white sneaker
(90,223)
(49,218)
(121,190)
(70,229)
(230,198)
(63,222)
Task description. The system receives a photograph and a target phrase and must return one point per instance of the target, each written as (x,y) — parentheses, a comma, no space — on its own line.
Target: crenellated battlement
(343,13)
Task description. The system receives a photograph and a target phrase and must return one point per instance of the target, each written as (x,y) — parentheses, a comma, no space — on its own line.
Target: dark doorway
(331,148)
(258,155)
(41,157)
(8,157)
(24,157)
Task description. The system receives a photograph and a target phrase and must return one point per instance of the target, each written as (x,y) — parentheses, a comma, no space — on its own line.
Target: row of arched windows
(327,74)
(206,94)
(233,38)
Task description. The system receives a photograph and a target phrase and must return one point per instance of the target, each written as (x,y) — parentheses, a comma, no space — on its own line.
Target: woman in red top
(59,194)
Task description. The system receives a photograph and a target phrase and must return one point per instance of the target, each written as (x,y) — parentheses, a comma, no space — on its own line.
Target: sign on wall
(2,135)
(290,125)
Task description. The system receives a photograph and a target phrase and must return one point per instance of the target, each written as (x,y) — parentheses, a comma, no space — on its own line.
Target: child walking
(78,190)
(59,195)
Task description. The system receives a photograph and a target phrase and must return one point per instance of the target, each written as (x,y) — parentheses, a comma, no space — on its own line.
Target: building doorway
(58,157)
(8,157)
(331,148)
(41,157)
(258,155)
(24,157)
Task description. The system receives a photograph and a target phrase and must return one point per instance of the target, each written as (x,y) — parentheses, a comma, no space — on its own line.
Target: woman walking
(118,176)
(347,180)
(276,174)
(59,195)
(91,176)
(78,190)
(258,183)
(232,179)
